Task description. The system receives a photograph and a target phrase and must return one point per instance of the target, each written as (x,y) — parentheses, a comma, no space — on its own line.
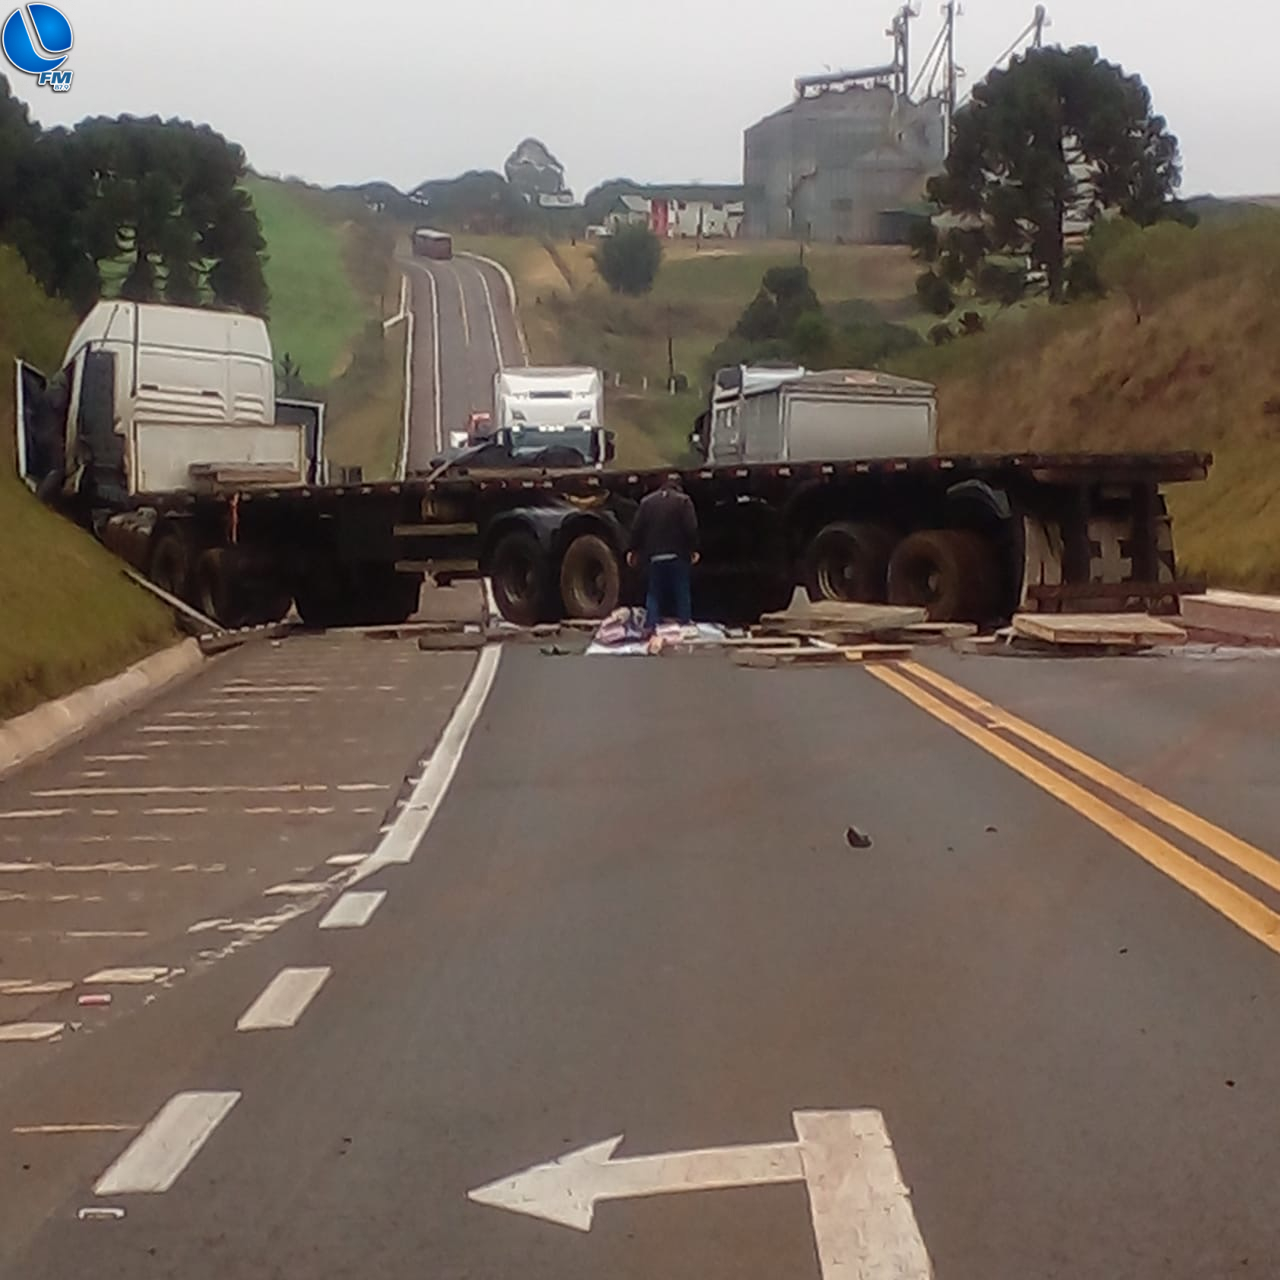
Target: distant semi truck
(428,243)
(551,406)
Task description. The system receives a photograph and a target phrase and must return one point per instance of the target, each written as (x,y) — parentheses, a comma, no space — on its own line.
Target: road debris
(1119,632)
(856,839)
(100,1213)
(94,1000)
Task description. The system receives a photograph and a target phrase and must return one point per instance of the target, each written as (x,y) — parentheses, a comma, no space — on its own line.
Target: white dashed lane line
(156,1158)
(284,1000)
(353,910)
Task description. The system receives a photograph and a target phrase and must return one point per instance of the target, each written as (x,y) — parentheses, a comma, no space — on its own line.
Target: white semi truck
(545,407)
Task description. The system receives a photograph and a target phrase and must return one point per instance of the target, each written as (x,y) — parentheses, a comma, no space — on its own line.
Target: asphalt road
(637,912)
(465,331)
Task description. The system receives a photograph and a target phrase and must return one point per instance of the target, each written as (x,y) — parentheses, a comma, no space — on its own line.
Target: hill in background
(1183,354)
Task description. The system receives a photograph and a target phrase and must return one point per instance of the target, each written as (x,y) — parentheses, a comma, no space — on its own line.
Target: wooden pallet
(1125,630)
(835,615)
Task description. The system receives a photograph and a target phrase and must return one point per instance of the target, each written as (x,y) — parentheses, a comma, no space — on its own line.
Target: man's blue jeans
(668,588)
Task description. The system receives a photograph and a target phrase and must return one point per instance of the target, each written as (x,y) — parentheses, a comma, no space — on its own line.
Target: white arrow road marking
(863,1222)
(567,1190)
(156,1158)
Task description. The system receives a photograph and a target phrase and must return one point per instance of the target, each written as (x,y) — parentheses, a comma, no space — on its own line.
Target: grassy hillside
(570,316)
(1185,353)
(70,616)
(329,269)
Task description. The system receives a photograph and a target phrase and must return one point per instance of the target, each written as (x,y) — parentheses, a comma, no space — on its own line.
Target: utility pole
(671,356)
(952,87)
(901,33)
(1041,20)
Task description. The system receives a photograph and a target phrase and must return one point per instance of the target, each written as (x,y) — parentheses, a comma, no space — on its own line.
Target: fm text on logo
(37,40)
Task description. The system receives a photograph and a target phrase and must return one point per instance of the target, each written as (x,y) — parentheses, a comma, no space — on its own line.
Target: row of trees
(152,210)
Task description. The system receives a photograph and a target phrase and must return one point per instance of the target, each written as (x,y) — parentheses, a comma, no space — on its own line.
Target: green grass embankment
(1183,354)
(68,616)
(332,280)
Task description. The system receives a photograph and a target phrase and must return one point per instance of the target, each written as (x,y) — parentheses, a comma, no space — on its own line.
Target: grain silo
(852,147)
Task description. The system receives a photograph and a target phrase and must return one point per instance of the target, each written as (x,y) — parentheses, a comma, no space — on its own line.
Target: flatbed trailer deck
(973,537)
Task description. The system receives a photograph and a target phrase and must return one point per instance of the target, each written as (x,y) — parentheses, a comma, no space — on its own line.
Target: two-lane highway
(466,329)
(636,1006)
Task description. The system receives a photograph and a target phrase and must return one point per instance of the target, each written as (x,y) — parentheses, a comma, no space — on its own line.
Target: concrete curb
(26,737)
(1234,613)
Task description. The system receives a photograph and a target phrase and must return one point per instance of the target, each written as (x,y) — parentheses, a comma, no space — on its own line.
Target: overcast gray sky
(408,89)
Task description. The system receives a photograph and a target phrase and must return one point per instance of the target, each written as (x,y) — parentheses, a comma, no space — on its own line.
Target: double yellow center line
(986,725)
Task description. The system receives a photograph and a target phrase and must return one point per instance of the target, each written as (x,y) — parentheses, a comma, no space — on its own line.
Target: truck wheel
(271,603)
(320,604)
(949,572)
(218,593)
(590,578)
(518,570)
(388,598)
(170,567)
(847,561)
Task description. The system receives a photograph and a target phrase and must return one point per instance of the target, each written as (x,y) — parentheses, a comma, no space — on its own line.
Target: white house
(681,215)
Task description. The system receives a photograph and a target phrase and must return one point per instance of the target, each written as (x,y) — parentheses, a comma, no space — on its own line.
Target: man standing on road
(665,539)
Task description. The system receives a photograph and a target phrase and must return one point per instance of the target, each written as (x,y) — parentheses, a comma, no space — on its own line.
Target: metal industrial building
(849,158)
(829,166)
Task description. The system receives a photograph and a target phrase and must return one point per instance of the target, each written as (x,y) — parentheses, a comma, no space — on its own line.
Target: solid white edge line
(411,325)
(400,843)
(435,359)
(353,910)
(156,1158)
(512,300)
(284,999)
(493,319)
(462,305)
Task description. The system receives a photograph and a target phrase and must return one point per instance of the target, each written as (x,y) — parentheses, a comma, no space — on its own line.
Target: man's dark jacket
(665,525)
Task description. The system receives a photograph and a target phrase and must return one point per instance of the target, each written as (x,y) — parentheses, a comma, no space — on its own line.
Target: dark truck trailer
(969,537)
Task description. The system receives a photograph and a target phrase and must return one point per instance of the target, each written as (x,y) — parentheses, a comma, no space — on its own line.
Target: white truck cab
(149,396)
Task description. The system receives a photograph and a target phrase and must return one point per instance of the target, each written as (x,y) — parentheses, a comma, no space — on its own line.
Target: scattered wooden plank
(979,646)
(836,656)
(1134,630)
(449,641)
(242,475)
(840,615)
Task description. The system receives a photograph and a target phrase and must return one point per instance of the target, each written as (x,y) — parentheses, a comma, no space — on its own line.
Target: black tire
(387,598)
(218,592)
(519,571)
(950,572)
(170,565)
(270,603)
(590,578)
(847,561)
(321,603)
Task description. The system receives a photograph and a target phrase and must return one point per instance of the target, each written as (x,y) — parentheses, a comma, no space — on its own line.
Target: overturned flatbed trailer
(970,537)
